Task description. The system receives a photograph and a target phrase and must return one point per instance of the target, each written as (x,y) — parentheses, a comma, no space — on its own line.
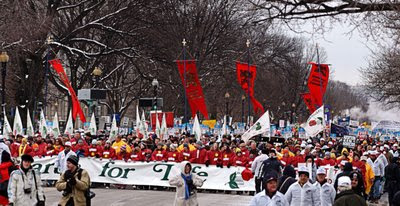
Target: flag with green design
(158,127)
(56,128)
(6,127)
(92,127)
(43,125)
(261,126)
(69,128)
(143,126)
(196,128)
(164,129)
(29,126)
(114,129)
(17,127)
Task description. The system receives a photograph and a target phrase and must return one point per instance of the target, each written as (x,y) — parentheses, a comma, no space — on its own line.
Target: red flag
(246,76)
(309,101)
(317,82)
(76,107)
(193,89)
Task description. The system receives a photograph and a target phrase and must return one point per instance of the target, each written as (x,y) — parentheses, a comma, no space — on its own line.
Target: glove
(40,203)
(207,163)
(55,170)
(67,174)
(189,182)
(72,181)
(229,165)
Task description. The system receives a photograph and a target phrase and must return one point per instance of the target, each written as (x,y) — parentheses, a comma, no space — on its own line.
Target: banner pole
(320,86)
(248,82)
(184,83)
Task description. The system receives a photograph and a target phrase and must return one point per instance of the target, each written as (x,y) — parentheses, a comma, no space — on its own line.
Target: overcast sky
(346,53)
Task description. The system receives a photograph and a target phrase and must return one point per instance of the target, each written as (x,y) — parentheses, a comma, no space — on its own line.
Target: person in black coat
(287,179)
(347,169)
(272,164)
(392,176)
(357,184)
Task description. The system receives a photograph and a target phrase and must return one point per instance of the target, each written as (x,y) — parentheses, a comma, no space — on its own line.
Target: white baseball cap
(68,144)
(321,171)
(344,181)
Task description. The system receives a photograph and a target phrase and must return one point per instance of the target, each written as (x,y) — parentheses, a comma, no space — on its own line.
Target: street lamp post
(155,85)
(4,60)
(243,99)
(97,72)
(227,96)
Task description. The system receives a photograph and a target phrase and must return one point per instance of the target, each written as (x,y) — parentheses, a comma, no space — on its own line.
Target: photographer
(24,187)
(74,183)
(186,184)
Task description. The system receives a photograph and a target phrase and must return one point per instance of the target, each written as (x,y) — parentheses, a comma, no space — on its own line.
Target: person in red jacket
(6,167)
(95,149)
(107,151)
(58,146)
(81,149)
(136,154)
(214,155)
(226,156)
(286,159)
(41,150)
(240,159)
(297,159)
(49,151)
(159,153)
(199,155)
(173,155)
(15,145)
(185,154)
(146,152)
(24,148)
(245,151)
(327,160)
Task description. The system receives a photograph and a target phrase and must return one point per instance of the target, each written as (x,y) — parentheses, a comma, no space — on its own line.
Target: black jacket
(347,170)
(392,176)
(349,198)
(271,164)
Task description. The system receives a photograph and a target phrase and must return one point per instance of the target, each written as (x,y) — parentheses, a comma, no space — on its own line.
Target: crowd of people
(292,171)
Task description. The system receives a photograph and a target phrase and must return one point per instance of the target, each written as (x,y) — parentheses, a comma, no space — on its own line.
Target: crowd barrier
(149,173)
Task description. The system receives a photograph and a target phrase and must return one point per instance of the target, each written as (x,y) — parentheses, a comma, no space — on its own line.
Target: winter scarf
(186,178)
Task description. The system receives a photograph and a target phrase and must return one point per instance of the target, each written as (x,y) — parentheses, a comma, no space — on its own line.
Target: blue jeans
(376,188)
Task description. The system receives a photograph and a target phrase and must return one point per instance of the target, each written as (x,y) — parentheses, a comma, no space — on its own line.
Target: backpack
(88,194)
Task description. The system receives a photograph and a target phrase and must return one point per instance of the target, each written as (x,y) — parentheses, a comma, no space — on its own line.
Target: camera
(27,190)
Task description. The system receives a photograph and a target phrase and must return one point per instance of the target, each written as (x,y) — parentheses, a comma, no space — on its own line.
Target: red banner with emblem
(76,107)
(194,92)
(246,76)
(318,81)
(309,101)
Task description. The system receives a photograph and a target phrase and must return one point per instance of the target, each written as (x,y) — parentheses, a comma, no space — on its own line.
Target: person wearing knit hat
(73,183)
(326,191)
(303,192)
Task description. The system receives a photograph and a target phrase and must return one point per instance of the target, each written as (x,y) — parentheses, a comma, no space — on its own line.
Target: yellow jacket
(117,146)
(369,176)
(180,148)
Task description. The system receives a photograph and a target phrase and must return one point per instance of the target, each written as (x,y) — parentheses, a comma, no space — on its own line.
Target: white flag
(224,129)
(261,126)
(197,128)
(6,127)
(158,127)
(56,128)
(29,126)
(137,121)
(43,125)
(69,128)
(114,129)
(143,126)
(164,129)
(92,127)
(17,127)
(315,123)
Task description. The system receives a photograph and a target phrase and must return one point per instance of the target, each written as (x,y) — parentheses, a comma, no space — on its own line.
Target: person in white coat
(326,191)
(270,196)
(186,183)
(255,168)
(61,162)
(24,187)
(302,192)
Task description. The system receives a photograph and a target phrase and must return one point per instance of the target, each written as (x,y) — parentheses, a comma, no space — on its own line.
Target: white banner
(349,141)
(152,173)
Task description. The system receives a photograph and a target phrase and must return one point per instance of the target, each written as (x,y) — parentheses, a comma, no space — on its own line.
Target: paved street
(116,197)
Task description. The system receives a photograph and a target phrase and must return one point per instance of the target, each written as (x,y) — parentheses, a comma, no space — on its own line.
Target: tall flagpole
(184,82)
(248,82)
(320,85)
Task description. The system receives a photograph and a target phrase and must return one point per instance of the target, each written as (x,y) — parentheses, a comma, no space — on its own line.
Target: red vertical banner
(246,76)
(169,118)
(318,81)
(309,101)
(76,107)
(194,92)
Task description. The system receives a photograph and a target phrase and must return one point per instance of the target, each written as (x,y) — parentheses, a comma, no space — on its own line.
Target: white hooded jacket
(61,161)
(180,187)
(20,181)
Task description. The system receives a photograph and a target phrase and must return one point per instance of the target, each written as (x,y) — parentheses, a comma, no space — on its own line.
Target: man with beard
(271,195)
